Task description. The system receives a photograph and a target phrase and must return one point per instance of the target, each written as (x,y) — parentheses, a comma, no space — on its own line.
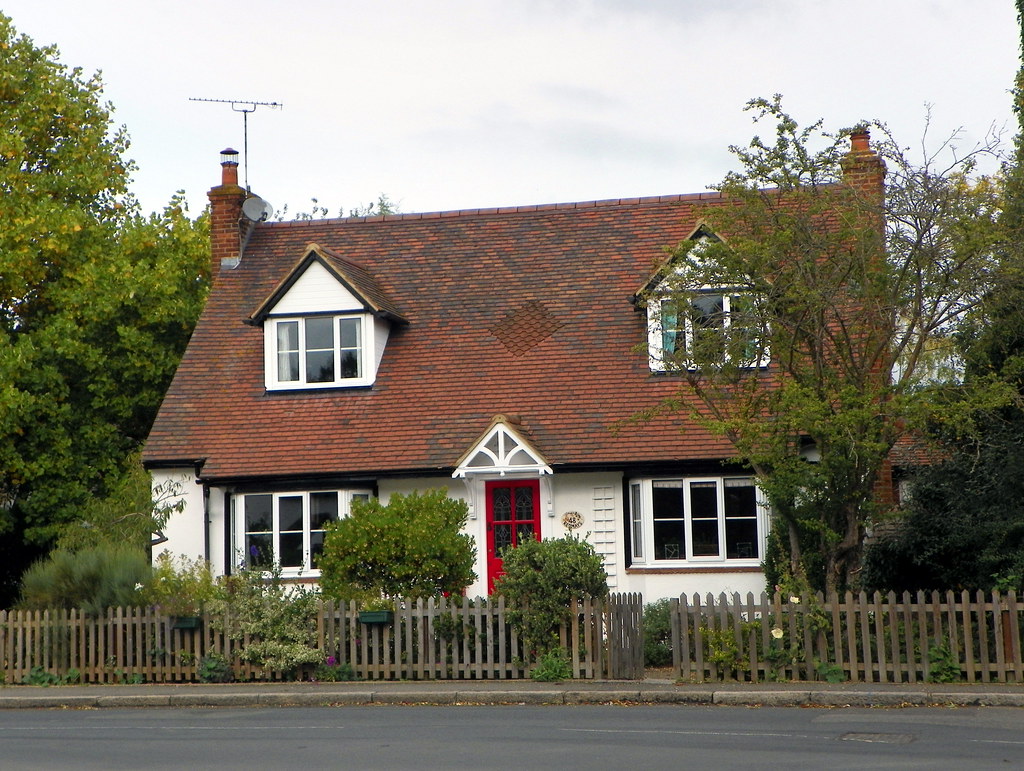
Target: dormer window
(320,351)
(707,325)
(688,325)
(325,325)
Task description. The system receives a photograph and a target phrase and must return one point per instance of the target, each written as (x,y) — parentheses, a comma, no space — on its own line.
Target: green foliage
(412,547)
(331,671)
(829,672)
(856,299)
(181,586)
(943,666)
(280,620)
(963,527)
(552,666)
(39,676)
(541,580)
(658,633)
(93,579)
(97,302)
(215,668)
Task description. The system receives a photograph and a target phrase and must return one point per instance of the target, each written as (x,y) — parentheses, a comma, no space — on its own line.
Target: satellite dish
(256,209)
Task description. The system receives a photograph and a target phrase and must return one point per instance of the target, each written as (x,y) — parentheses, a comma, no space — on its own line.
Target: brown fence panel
(940,637)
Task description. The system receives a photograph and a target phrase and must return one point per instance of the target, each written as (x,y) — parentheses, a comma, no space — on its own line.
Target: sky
(464,104)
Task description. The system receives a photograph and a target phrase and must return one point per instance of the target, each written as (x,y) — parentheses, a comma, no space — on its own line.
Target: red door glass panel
(513,515)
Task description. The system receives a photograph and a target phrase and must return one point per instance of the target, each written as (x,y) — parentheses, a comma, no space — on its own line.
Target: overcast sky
(453,104)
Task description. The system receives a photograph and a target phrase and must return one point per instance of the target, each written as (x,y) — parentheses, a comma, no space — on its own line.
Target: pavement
(475,692)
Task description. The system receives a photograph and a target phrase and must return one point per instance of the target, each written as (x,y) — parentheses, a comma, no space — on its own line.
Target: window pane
(524,532)
(705,538)
(350,336)
(704,518)
(323,508)
(741,539)
(637,531)
(319,334)
(708,310)
(524,503)
(349,330)
(501,504)
(502,537)
(288,351)
(319,366)
(259,550)
(316,546)
(669,541)
(291,550)
(740,498)
(704,500)
(670,338)
(349,364)
(707,315)
(669,523)
(289,512)
(258,513)
(288,366)
(288,336)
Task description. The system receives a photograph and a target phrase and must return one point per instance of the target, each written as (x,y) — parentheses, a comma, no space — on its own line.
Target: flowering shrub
(280,620)
(180,587)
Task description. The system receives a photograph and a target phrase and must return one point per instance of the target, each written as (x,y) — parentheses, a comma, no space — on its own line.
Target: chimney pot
(229,166)
(860,141)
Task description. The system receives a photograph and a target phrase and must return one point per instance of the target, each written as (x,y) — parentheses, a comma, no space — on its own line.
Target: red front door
(513,515)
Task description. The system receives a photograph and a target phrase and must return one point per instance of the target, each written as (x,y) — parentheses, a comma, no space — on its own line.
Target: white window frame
(659,362)
(641,493)
(241,529)
(367,352)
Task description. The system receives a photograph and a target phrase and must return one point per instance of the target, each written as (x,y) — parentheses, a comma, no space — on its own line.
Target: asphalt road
(514,737)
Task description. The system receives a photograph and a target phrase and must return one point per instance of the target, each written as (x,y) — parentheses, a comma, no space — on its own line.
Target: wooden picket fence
(434,639)
(950,637)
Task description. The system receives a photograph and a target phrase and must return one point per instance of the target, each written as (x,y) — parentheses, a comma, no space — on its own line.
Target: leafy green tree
(412,547)
(855,299)
(97,301)
(964,523)
(541,580)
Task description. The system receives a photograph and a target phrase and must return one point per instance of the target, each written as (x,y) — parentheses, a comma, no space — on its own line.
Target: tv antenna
(245,108)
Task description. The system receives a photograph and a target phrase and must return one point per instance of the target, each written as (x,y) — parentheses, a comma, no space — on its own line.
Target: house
(501,353)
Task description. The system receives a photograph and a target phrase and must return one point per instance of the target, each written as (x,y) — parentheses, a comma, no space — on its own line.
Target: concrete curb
(787,697)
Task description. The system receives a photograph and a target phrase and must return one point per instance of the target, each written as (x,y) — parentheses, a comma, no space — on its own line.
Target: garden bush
(658,633)
(280,620)
(541,580)
(412,547)
(92,579)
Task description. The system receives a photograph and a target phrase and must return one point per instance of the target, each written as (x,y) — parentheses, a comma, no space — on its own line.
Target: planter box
(376,616)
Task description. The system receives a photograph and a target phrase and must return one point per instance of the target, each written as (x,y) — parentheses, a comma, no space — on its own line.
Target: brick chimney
(863,169)
(225,213)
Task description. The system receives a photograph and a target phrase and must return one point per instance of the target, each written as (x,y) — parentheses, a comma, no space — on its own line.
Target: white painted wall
(316,291)
(184,529)
(587,494)
(654,586)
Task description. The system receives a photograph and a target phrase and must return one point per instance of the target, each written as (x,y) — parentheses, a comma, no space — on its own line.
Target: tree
(854,299)
(412,547)
(96,300)
(964,525)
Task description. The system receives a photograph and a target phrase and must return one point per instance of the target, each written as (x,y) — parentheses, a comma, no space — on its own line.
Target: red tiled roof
(524,311)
